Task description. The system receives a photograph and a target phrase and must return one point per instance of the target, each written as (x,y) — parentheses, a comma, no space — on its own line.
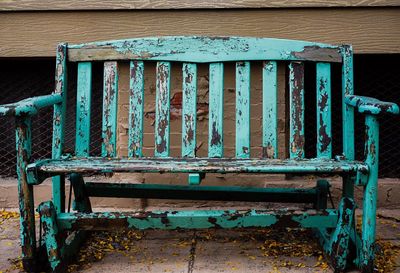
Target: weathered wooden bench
(335,227)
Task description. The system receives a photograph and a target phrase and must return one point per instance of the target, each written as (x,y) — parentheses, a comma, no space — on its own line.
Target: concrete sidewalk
(261,250)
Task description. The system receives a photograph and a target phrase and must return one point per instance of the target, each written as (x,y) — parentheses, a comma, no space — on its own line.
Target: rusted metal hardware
(335,227)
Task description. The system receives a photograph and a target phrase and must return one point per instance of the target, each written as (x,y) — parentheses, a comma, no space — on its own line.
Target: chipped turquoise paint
(373,106)
(29,106)
(162,126)
(370,193)
(110,104)
(214,50)
(136,109)
(25,191)
(200,219)
(242,110)
(338,244)
(205,49)
(189,109)
(296,105)
(347,111)
(270,109)
(324,131)
(194,179)
(44,168)
(48,218)
(216,110)
(59,120)
(83,105)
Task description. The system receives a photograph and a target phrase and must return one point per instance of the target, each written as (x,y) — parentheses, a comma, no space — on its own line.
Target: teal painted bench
(334,227)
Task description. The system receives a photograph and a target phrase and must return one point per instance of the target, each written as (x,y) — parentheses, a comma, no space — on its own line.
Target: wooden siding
(35,5)
(334,26)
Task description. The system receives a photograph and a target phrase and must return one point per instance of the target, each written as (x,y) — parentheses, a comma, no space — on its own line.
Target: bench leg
(25,193)
(340,238)
(81,204)
(48,218)
(82,201)
(370,195)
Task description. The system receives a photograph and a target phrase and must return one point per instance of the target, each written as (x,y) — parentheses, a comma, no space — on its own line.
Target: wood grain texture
(335,26)
(35,5)
(204,49)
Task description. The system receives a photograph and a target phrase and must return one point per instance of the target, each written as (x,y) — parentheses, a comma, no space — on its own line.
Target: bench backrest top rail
(200,49)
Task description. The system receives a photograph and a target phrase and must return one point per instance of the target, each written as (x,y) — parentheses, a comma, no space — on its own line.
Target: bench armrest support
(29,106)
(371,105)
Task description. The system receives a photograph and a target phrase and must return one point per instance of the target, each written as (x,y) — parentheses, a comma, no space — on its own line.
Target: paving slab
(249,250)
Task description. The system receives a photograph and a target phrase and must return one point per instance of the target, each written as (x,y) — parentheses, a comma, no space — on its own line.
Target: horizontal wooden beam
(332,26)
(36,5)
(217,193)
(204,49)
(197,219)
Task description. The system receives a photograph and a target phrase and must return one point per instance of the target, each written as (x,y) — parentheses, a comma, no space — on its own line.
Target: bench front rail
(335,227)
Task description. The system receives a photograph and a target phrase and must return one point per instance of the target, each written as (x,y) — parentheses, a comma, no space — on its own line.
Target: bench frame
(336,228)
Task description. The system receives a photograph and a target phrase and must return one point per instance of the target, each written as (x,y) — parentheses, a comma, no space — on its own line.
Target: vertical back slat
(189,104)
(83,103)
(162,109)
(296,105)
(270,109)
(216,111)
(59,120)
(136,108)
(324,133)
(243,109)
(347,111)
(110,100)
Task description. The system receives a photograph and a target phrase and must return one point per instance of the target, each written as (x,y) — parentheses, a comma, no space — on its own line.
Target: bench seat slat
(194,165)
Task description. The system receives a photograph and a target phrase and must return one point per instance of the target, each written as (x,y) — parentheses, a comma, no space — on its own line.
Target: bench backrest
(189,51)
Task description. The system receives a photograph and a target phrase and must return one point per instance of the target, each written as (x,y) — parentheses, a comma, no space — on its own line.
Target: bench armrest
(371,105)
(29,106)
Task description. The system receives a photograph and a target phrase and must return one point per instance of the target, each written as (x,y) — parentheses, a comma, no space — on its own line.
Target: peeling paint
(296,85)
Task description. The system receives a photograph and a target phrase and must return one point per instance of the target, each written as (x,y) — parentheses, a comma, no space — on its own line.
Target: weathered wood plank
(216,111)
(195,165)
(204,49)
(74,5)
(83,103)
(189,219)
(189,109)
(242,110)
(324,122)
(136,106)
(296,105)
(162,109)
(347,111)
(352,26)
(270,109)
(110,102)
(59,120)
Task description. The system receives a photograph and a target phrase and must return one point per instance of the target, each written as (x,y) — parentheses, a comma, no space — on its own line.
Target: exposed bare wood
(32,5)
(333,26)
